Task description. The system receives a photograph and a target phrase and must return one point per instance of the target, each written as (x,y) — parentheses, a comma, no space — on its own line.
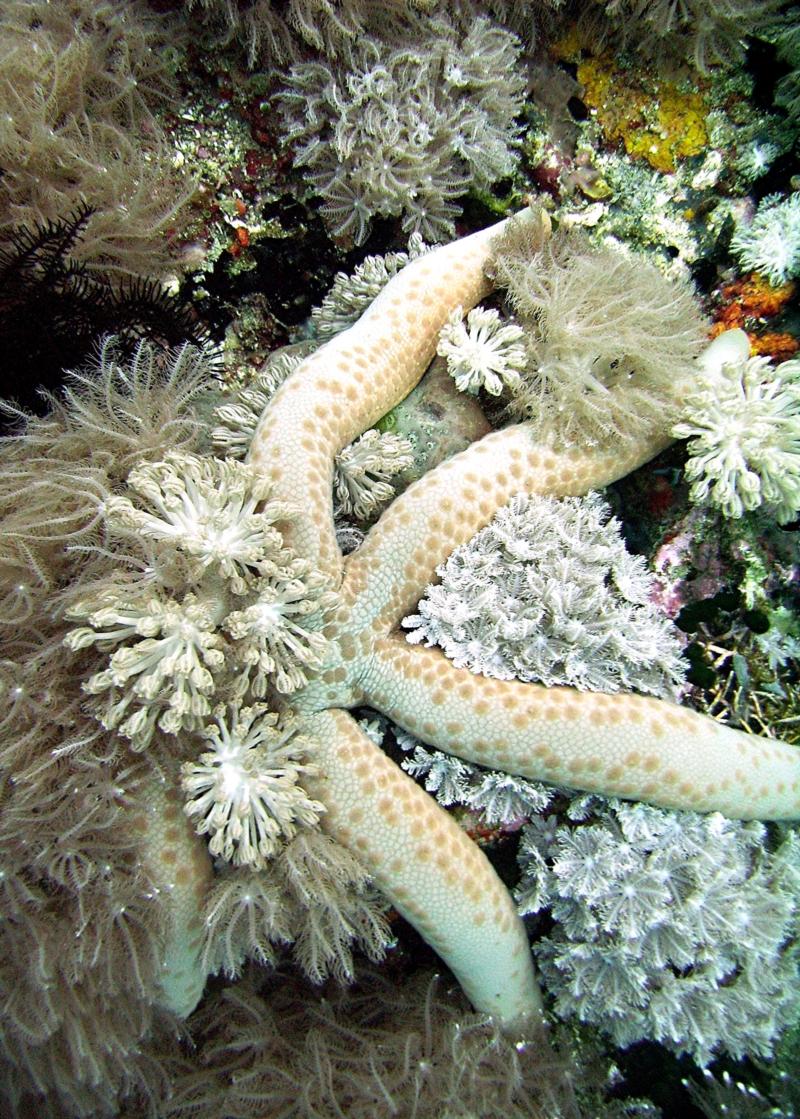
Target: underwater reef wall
(399,673)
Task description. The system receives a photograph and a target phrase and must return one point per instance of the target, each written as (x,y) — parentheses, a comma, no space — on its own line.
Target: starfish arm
(388,574)
(353,380)
(178,864)
(618,745)
(427,866)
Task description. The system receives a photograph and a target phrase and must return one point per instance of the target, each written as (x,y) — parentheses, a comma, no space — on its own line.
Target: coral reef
(227,776)
(200,581)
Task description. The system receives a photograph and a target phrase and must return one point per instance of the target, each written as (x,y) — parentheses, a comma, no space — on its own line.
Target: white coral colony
(742,420)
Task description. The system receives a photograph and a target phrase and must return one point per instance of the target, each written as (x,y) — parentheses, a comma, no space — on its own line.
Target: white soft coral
(163,664)
(278,635)
(743,426)
(210,524)
(483,351)
(206,509)
(245,791)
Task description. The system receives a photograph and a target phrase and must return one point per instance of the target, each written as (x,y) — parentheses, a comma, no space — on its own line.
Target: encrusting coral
(169,579)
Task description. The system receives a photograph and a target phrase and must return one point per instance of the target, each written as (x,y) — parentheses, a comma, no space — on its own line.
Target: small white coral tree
(770,244)
(483,351)
(209,526)
(244,791)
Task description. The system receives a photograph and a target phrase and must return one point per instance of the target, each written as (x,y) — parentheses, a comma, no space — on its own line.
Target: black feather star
(53,310)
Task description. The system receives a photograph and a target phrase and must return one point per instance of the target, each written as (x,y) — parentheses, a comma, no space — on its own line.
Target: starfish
(617,745)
